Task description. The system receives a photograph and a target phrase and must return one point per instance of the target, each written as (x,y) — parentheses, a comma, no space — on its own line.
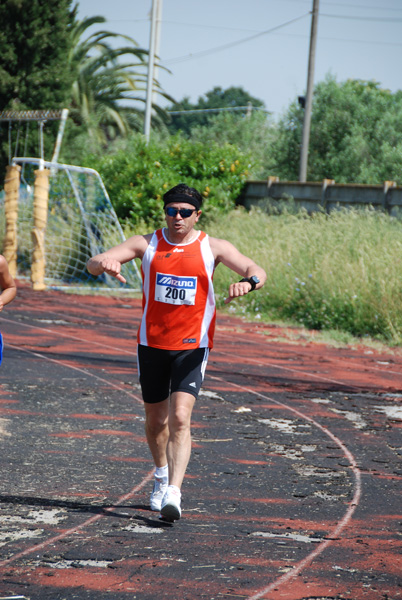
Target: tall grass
(341,271)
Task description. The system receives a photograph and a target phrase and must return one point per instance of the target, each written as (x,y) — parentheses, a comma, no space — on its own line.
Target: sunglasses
(184,212)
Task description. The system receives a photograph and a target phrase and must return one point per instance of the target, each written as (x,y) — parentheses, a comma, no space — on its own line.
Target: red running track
(293,490)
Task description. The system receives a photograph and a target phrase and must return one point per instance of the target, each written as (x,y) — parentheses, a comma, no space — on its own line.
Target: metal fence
(273,194)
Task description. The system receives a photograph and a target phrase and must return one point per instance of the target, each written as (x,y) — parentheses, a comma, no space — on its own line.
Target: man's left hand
(240,288)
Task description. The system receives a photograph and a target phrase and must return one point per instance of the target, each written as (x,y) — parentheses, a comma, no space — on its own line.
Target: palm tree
(107,96)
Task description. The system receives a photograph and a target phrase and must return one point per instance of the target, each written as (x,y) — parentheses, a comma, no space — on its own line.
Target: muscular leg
(168,433)
(179,442)
(157,430)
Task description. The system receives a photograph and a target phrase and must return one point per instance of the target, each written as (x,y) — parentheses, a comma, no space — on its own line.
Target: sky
(262,45)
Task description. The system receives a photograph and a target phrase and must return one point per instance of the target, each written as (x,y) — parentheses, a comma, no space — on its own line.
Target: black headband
(182,198)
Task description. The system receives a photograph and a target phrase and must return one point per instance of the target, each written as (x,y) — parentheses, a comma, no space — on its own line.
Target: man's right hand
(112,267)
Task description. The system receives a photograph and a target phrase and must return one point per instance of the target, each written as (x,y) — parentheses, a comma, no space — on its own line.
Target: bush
(254,134)
(137,177)
(356,134)
(331,272)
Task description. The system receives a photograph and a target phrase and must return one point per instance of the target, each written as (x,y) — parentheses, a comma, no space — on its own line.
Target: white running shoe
(159,490)
(171,510)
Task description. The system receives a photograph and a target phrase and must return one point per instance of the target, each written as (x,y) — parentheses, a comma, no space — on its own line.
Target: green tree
(232,97)
(138,175)
(34,42)
(108,95)
(253,134)
(35,39)
(356,134)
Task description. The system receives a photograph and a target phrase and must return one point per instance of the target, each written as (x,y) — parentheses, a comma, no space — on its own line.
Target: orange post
(11,189)
(41,196)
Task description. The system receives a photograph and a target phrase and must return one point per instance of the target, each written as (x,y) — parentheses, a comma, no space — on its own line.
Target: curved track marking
(298,371)
(220,334)
(247,339)
(65,364)
(95,518)
(304,562)
(86,523)
(68,335)
(83,319)
(248,359)
(223,335)
(346,518)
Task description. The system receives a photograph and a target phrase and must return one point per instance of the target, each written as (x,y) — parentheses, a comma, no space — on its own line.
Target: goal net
(81,222)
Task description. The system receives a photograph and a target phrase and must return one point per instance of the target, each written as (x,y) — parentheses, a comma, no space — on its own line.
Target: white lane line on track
(357,494)
(256,361)
(225,335)
(267,363)
(222,335)
(247,339)
(68,335)
(86,523)
(91,520)
(87,319)
(65,364)
(347,516)
(218,334)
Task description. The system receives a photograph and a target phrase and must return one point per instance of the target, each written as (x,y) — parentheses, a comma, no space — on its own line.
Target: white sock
(162,473)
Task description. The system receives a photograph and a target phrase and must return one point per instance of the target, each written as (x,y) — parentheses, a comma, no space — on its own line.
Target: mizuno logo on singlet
(177,282)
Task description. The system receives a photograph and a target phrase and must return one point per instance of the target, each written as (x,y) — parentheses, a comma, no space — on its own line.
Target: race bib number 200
(174,289)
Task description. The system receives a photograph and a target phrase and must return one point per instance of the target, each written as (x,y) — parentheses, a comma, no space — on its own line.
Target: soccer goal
(80,222)
(55,217)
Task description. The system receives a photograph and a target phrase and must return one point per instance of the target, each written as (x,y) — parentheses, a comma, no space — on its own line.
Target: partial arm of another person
(110,261)
(7,284)
(231,257)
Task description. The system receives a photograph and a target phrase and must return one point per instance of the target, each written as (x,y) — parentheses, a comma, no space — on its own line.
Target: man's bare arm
(227,254)
(7,284)
(110,261)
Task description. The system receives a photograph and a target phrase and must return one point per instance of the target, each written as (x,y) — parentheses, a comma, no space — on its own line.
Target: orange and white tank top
(178,298)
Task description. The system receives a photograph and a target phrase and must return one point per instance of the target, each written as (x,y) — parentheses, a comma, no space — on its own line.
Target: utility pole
(309,94)
(151,62)
(158,26)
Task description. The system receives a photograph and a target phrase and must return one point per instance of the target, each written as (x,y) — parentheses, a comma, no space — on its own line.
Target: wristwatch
(253,280)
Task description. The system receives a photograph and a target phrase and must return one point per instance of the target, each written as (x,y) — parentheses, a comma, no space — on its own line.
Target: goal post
(12,184)
(65,216)
(11,191)
(56,216)
(40,210)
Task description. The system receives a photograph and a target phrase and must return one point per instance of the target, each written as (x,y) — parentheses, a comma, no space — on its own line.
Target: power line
(231,44)
(354,18)
(220,27)
(342,40)
(184,24)
(224,28)
(215,110)
(382,8)
(357,6)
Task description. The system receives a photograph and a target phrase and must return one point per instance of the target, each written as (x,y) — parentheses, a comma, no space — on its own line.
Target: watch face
(253,280)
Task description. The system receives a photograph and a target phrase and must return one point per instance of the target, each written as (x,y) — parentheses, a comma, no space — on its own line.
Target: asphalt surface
(293,490)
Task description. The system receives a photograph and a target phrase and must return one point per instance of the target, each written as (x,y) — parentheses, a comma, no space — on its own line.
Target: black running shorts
(162,372)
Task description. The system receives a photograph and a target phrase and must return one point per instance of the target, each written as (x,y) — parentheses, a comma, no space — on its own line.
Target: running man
(177,328)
